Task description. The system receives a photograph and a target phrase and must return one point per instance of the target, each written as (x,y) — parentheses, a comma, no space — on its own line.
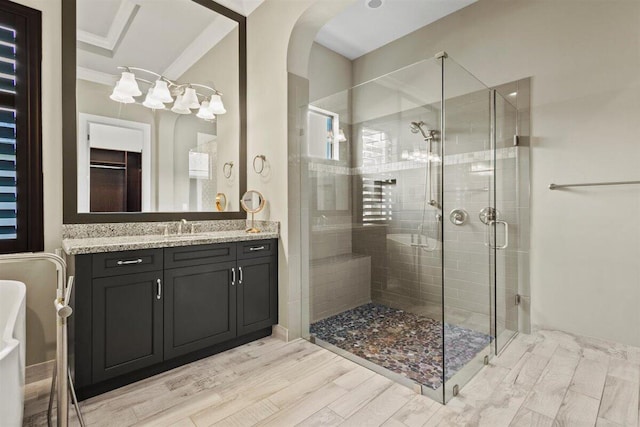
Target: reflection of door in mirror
(113,165)
(115,181)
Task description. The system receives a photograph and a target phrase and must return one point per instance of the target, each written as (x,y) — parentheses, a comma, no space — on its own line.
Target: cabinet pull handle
(130,262)
(233,276)
(256,248)
(240,282)
(159,289)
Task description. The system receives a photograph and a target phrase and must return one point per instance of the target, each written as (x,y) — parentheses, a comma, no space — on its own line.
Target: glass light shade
(128,84)
(151,102)
(179,107)
(190,98)
(161,92)
(204,112)
(216,106)
(341,136)
(118,96)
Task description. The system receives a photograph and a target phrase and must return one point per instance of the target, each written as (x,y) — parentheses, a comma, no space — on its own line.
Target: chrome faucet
(181,223)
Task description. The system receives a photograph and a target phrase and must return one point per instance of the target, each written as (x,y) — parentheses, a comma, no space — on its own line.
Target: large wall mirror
(154,110)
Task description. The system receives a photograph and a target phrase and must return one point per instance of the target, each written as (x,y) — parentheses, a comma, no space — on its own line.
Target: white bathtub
(12,351)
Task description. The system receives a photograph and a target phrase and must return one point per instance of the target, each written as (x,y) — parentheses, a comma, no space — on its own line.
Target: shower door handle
(506,234)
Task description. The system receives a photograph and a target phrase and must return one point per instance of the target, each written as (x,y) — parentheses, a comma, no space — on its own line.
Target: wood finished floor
(546,379)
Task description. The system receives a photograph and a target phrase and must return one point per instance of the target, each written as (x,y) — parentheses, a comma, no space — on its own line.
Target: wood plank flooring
(546,379)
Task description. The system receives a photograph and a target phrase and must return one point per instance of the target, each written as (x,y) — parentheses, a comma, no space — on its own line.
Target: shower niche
(421,275)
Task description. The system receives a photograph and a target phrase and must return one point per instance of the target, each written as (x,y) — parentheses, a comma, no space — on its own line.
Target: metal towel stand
(61,373)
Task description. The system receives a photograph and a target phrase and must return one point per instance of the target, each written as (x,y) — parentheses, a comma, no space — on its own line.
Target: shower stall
(414,230)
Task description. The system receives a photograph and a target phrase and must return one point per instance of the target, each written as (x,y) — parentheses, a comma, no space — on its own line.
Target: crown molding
(94,76)
(116,30)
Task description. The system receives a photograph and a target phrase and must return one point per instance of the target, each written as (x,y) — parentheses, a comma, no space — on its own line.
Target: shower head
(417,127)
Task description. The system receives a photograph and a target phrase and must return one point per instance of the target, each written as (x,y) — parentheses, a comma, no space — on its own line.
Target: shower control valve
(458,216)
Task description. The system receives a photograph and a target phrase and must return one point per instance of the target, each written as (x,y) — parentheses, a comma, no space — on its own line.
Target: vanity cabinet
(138,313)
(127,330)
(257,294)
(200,307)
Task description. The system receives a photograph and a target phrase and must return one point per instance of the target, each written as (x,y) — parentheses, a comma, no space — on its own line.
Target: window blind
(8,161)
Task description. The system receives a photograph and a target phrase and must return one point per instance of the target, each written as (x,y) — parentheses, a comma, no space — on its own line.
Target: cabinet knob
(256,248)
(233,276)
(240,282)
(158,289)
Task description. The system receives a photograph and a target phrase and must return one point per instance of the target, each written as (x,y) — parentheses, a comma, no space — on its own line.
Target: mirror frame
(70,140)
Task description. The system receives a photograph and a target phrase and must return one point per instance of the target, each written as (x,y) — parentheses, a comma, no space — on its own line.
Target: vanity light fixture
(341,136)
(152,102)
(121,96)
(184,96)
(205,111)
(216,105)
(179,107)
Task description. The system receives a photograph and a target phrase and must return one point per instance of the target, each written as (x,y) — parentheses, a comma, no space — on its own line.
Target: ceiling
(165,36)
(360,29)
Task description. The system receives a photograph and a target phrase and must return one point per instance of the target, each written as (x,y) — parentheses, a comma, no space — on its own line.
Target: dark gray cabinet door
(127,324)
(257,294)
(200,307)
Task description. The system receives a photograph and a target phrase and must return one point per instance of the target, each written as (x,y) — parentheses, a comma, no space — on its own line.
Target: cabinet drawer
(188,256)
(116,263)
(257,248)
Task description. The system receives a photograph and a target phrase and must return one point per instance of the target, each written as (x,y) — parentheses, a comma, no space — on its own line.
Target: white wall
(583,58)
(40,278)
(329,72)
(268,30)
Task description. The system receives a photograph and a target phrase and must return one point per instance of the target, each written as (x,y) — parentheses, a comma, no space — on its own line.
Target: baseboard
(39,371)
(281,332)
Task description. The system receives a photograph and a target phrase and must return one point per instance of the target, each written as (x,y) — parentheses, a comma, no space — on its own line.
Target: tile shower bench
(148,303)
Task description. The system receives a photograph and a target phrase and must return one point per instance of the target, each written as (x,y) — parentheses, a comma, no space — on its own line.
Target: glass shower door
(505,228)
(468,194)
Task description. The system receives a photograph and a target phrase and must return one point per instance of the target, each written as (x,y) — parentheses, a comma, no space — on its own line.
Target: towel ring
(226,169)
(258,169)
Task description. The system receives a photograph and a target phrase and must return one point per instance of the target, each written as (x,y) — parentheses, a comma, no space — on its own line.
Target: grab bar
(63,311)
(591,184)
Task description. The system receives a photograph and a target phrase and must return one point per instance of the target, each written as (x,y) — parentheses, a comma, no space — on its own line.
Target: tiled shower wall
(340,278)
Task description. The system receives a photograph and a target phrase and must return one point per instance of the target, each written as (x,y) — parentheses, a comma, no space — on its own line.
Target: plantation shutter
(8,160)
(21,215)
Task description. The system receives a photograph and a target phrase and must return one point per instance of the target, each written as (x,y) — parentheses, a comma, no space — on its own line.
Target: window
(377,194)
(325,134)
(21,222)
(377,200)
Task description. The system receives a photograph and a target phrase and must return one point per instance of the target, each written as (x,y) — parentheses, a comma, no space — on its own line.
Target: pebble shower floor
(405,343)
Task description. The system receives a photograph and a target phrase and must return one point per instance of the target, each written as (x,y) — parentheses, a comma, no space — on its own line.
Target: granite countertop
(84,241)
